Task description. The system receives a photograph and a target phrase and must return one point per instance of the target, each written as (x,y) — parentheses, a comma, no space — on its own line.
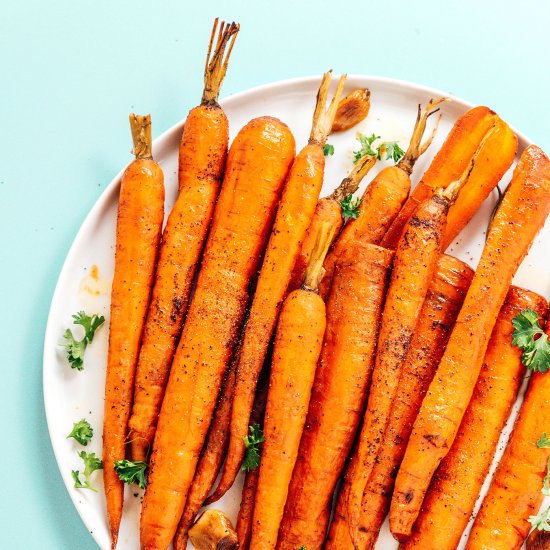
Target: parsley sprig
(366,147)
(82,432)
(252,445)
(543,442)
(91,464)
(132,472)
(350,207)
(328,149)
(542,520)
(532,340)
(390,149)
(76,348)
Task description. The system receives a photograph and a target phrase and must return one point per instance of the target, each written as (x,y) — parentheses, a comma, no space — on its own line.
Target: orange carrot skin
(447,166)
(339,393)
(521,215)
(139,225)
(327,211)
(380,204)
(515,490)
(202,156)
(257,164)
(296,351)
(443,301)
(455,487)
(294,215)
(495,157)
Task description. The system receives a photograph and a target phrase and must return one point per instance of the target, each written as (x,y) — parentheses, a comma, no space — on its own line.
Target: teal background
(71,71)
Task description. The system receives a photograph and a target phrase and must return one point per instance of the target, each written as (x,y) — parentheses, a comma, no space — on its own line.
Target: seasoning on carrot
(202,155)
(339,392)
(139,225)
(257,165)
(521,215)
(454,489)
(298,342)
(294,215)
(444,298)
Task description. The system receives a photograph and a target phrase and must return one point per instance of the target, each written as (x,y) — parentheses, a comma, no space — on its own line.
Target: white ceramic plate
(70,395)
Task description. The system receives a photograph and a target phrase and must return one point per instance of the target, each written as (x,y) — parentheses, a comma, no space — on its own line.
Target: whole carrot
(444,298)
(294,214)
(339,392)
(202,155)
(521,215)
(298,341)
(257,164)
(451,497)
(139,225)
(382,199)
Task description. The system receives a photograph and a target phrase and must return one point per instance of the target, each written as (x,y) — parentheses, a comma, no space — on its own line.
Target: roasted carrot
(443,301)
(450,161)
(296,209)
(202,155)
(515,490)
(382,199)
(454,489)
(210,461)
(298,342)
(520,216)
(139,225)
(351,110)
(257,164)
(339,392)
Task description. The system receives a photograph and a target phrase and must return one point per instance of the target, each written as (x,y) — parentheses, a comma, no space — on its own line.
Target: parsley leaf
(543,442)
(328,149)
(91,464)
(132,472)
(350,207)
(76,348)
(392,150)
(82,432)
(540,522)
(535,351)
(366,147)
(302,548)
(252,444)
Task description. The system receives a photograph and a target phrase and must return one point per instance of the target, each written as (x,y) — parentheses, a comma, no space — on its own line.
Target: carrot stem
(140,127)
(351,182)
(315,271)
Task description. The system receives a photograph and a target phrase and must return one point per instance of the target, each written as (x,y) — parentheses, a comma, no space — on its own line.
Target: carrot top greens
(532,340)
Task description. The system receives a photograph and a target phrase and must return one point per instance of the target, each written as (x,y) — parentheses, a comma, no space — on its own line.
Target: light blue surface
(72,71)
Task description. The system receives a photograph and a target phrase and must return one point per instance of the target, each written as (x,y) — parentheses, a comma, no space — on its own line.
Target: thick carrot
(257,164)
(339,393)
(515,490)
(522,213)
(296,209)
(298,342)
(451,497)
(437,316)
(210,461)
(139,225)
(202,155)
(450,161)
(382,200)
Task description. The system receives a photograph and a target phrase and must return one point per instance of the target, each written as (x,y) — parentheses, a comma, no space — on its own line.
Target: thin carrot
(202,156)
(383,198)
(444,298)
(451,497)
(521,215)
(339,392)
(298,342)
(296,209)
(257,164)
(450,161)
(139,225)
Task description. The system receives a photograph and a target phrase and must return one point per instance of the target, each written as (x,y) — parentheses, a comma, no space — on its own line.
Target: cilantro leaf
(366,147)
(540,522)
(350,207)
(543,442)
(392,150)
(76,348)
(132,472)
(252,444)
(91,464)
(82,432)
(328,149)
(532,340)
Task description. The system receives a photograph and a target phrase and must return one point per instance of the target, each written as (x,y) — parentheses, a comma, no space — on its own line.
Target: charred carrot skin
(443,301)
(139,225)
(521,215)
(455,486)
(257,164)
(339,393)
